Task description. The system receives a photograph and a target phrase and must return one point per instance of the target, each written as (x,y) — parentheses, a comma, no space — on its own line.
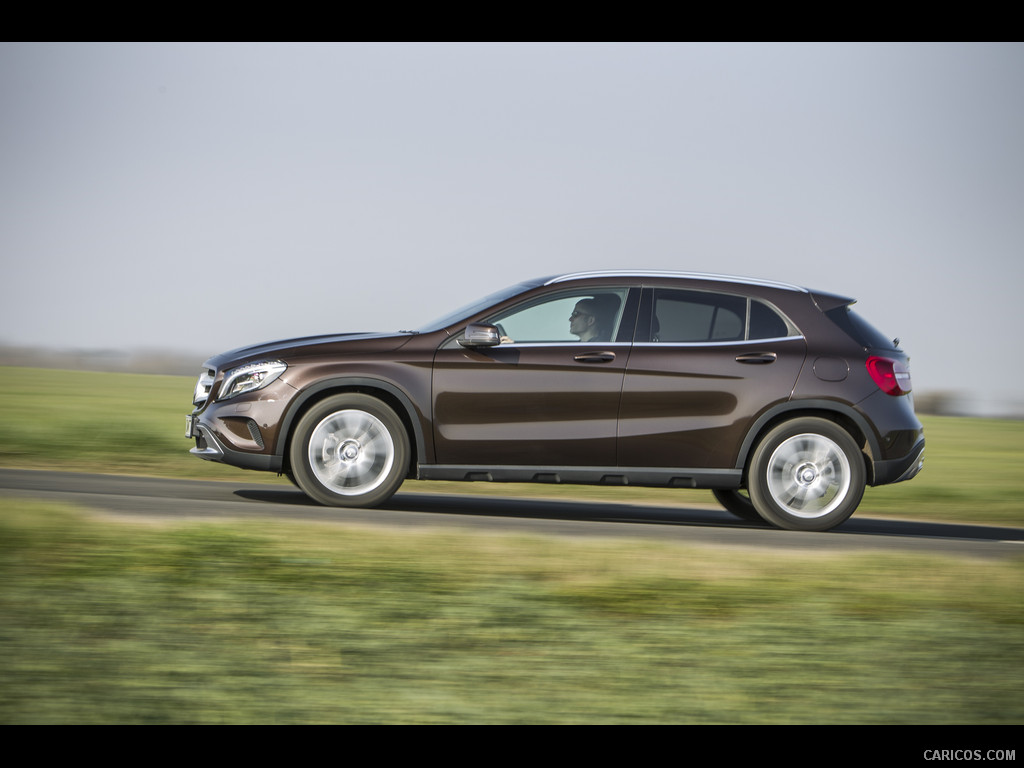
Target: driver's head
(583,320)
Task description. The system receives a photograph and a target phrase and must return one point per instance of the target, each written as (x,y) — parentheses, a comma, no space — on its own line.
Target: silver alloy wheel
(808,475)
(351,452)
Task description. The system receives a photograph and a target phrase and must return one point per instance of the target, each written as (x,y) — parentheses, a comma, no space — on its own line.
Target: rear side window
(694,317)
(690,316)
(859,329)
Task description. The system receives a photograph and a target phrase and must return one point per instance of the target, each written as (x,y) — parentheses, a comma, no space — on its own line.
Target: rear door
(705,364)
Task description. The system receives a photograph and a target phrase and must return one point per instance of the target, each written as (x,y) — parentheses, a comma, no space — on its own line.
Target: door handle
(757,358)
(594,357)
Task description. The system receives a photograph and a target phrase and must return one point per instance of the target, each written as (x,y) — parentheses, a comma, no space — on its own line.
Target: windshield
(478,306)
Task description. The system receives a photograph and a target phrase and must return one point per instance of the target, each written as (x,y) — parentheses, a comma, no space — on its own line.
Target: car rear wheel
(350,450)
(807,475)
(738,503)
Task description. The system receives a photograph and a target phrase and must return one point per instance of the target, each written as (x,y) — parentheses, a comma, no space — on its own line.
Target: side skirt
(643,476)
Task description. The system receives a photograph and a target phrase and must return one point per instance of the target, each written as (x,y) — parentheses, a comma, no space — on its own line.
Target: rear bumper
(898,470)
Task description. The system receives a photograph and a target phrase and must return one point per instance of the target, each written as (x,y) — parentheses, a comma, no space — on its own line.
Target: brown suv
(781,400)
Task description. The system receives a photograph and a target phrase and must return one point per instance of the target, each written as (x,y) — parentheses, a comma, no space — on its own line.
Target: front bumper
(209,448)
(243,431)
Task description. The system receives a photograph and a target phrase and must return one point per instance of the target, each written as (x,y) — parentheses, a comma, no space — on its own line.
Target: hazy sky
(201,197)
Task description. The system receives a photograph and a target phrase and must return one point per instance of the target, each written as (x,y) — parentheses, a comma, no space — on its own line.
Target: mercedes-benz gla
(781,400)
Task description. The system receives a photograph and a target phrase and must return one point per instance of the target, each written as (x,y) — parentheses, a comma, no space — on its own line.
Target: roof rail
(669,273)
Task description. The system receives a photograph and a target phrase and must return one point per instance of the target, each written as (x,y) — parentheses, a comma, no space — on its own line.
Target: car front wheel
(807,475)
(349,450)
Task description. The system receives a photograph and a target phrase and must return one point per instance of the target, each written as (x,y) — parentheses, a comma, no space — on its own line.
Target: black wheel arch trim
(352,383)
(812,407)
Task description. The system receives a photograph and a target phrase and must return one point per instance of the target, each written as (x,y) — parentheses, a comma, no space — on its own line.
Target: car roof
(671,274)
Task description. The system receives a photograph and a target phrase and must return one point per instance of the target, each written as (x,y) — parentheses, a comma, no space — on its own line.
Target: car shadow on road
(637,514)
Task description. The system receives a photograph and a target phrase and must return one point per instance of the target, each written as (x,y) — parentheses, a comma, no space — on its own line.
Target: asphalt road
(192,499)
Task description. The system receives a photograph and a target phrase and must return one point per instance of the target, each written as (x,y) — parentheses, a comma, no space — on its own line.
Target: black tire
(738,503)
(349,450)
(807,475)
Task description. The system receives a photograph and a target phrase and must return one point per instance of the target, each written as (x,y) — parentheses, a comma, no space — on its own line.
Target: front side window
(576,316)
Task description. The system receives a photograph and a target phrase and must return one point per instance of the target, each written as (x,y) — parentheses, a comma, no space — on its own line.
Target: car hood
(308,346)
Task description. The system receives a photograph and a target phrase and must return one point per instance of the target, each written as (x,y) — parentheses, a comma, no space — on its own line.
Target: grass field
(119,622)
(104,622)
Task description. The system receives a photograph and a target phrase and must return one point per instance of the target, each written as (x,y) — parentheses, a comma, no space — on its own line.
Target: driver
(592,318)
(583,320)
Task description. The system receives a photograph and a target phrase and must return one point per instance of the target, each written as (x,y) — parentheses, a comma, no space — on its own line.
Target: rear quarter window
(765,323)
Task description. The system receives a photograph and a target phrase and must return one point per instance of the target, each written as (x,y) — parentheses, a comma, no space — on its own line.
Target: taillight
(891,376)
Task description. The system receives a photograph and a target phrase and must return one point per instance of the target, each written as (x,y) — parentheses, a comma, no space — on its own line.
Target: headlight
(247,378)
(203,387)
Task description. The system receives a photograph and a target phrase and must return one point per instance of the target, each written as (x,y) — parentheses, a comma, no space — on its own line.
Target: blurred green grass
(120,622)
(105,622)
(98,422)
(132,423)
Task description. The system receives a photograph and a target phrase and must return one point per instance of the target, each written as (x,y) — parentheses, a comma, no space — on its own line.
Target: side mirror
(481,335)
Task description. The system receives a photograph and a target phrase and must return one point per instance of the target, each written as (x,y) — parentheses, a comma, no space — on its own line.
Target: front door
(548,395)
